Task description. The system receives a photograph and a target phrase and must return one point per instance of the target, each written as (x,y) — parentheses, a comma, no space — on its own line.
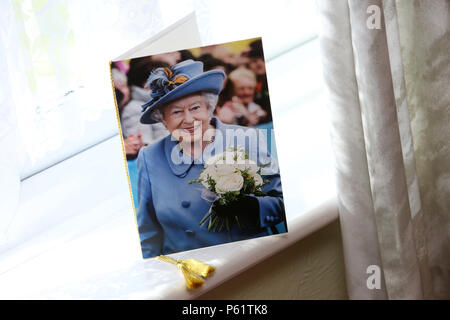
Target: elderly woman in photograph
(170,208)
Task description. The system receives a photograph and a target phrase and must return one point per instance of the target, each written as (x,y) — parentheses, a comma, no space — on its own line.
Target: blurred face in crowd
(241,60)
(170,58)
(224,53)
(187,118)
(244,89)
(125,90)
(258,66)
(224,71)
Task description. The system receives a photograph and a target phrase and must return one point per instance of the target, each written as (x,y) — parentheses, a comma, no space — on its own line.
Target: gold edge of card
(123,147)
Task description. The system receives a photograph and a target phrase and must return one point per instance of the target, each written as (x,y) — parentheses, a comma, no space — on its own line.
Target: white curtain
(387,69)
(57,72)
(9,169)
(55,93)
(55,97)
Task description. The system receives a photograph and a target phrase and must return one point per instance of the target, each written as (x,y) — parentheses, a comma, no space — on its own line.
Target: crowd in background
(244,99)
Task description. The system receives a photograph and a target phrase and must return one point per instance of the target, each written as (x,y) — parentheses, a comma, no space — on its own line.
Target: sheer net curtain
(9,170)
(390,108)
(55,95)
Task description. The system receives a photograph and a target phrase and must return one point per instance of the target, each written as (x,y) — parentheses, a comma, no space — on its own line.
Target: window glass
(61,91)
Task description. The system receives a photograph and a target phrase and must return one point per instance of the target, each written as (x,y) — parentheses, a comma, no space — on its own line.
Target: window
(58,84)
(61,90)
(58,72)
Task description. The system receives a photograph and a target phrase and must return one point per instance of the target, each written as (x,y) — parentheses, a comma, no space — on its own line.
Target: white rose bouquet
(231,180)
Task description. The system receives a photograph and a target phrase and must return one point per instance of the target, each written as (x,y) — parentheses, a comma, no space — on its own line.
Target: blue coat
(170,208)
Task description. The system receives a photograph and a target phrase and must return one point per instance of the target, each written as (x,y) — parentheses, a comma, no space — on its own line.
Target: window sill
(93,252)
(75,237)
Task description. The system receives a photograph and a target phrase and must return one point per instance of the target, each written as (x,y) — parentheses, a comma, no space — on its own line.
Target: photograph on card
(198,139)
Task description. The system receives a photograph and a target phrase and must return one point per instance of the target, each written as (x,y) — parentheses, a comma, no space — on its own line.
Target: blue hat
(182,79)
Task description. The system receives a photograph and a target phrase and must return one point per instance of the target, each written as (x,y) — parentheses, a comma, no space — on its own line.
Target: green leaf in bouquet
(265,165)
(213,222)
(244,173)
(249,185)
(237,220)
(222,200)
(217,224)
(260,193)
(210,222)
(195,181)
(221,224)
(207,215)
(211,182)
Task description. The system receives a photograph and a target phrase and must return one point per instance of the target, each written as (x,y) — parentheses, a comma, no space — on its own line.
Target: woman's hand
(133,144)
(246,209)
(226,113)
(252,118)
(238,107)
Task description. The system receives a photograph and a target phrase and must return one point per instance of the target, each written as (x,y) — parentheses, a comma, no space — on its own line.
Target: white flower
(236,155)
(233,182)
(224,169)
(230,156)
(249,165)
(211,172)
(258,179)
(239,149)
(213,160)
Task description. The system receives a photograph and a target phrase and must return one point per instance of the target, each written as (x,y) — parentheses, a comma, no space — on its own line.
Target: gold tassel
(193,281)
(203,269)
(193,271)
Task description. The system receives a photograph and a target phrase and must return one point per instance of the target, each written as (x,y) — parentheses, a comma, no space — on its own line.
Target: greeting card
(197,136)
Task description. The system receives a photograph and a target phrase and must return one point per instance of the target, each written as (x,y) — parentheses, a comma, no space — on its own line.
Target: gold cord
(195,272)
